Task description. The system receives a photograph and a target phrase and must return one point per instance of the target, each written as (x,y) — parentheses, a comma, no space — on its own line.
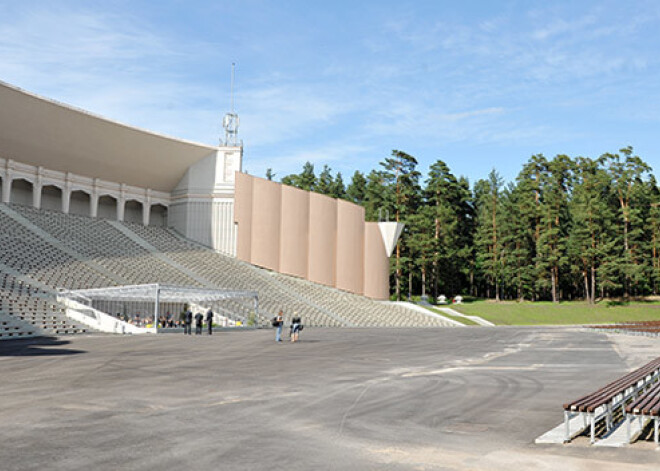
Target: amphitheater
(44,250)
(65,231)
(372,384)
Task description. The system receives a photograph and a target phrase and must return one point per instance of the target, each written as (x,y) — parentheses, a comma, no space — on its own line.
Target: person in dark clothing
(199,318)
(209,321)
(187,329)
(278,322)
(296,327)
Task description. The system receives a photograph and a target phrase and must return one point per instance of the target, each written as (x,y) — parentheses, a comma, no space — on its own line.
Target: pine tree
(448,202)
(528,196)
(337,189)
(488,241)
(554,223)
(590,236)
(307,179)
(379,197)
(400,173)
(518,243)
(653,228)
(627,174)
(357,188)
(324,182)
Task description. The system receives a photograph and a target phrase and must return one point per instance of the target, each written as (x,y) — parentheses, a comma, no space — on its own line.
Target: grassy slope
(462,320)
(545,313)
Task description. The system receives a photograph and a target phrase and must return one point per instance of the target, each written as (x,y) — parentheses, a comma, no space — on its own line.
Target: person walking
(209,321)
(187,329)
(279,320)
(296,327)
(199,318)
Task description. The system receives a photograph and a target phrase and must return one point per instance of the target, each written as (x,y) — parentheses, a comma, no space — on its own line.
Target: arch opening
(133,211)
(21,192)
(51,198)
(107,207)
(80,203)
(158,215)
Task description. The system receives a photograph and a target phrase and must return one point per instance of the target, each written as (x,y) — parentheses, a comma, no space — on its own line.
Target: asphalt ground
(341,399)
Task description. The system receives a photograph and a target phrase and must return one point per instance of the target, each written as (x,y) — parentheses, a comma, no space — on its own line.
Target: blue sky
(478,84)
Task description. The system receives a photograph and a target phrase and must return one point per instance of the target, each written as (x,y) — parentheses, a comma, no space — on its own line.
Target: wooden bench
(603,402)
(645,406)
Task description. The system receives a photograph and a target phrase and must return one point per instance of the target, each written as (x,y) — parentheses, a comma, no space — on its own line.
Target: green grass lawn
(546,313)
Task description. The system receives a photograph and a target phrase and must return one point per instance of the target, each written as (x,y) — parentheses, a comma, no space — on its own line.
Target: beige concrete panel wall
(349,272)
(294,236)
(376,264)
(322,239)
(243,216)
(266,223)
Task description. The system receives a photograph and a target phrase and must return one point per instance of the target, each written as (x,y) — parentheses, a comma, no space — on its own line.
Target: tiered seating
(356,309)
(43,250)
(99,242)
(102,244)
(317,304)
(29,254)
(26,311)
(230,273)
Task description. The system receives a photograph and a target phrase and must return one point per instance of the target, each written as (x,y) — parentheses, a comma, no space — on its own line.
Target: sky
(477,84)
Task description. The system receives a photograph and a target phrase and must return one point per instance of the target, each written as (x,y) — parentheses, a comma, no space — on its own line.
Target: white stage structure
(81,302)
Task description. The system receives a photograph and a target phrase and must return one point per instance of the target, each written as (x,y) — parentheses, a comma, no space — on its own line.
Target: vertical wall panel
(266,219)
(322,239)
(376,263)
(243,216)
(349,270)
(309,235)
(294,239)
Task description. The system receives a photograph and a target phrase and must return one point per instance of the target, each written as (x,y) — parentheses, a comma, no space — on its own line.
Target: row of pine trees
(566,228)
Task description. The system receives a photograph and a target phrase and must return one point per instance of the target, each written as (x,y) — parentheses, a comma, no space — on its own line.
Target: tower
(230,122)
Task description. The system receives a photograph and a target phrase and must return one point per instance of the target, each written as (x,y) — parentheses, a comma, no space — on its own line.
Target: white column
(146,208)
(120,208)
(66,195)
(36,193)
(6,187)
(94,204)
(94,200)
(121,201)
(36,188)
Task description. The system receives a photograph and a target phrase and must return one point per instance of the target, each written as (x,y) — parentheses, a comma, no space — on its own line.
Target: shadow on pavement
(37,346)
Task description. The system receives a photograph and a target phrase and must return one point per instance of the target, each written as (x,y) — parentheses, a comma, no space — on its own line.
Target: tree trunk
(423,281)
(553,279)
(593,284)
(587,296)
(397,274)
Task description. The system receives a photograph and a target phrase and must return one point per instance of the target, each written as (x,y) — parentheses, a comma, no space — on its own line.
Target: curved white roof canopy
(42,132)
(165,293)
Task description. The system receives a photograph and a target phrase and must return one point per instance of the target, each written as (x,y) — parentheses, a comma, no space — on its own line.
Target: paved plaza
(344,399)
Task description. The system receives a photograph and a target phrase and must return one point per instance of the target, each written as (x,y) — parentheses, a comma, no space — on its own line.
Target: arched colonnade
(96,200)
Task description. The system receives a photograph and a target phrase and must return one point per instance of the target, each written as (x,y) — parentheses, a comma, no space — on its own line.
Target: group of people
(187,320)
(295,328)
(135,320)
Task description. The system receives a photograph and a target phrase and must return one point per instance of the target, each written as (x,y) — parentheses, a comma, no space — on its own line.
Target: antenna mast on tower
(230,122)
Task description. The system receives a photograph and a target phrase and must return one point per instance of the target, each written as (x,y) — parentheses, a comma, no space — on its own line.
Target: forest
(567,228)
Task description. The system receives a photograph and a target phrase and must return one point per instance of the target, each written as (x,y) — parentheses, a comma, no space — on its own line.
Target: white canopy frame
(159,293)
